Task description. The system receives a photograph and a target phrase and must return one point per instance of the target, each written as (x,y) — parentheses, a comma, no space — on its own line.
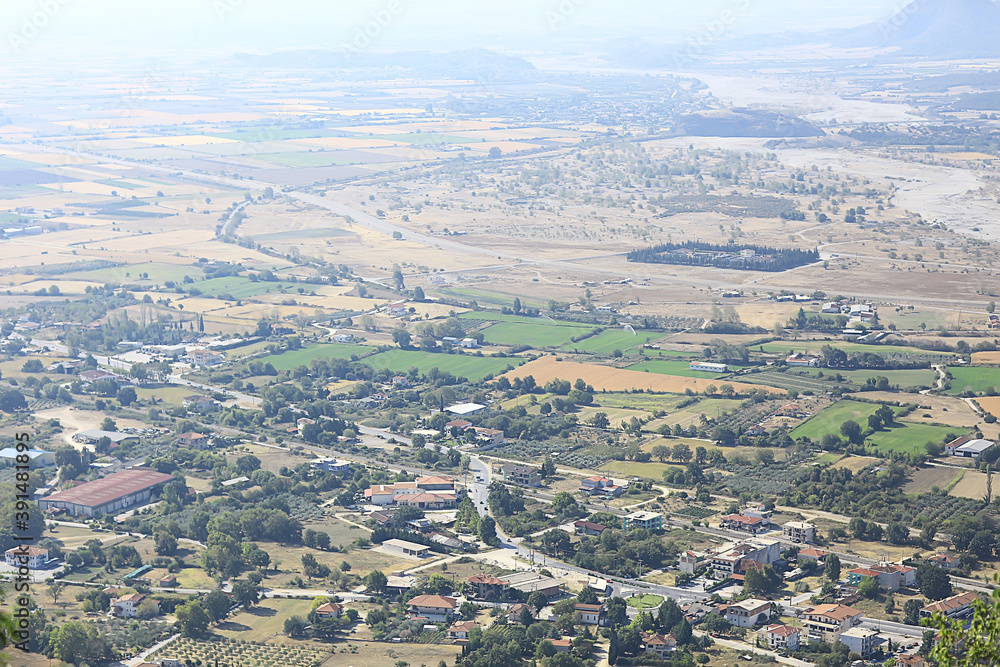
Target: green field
(632,469)
(489,316)
(814,347)
(460,365)
(608,341)
(978,379)
(909,437)
(534,334)
(302,357)
(158,273)
(426,138)
(920,377)
(830,419)
(681,368)
(243,288)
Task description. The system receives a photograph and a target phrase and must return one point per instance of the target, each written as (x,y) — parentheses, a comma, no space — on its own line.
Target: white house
(590,614)
(708,367)
(127,606)
(458,633)
(799,531)
(860,640)
(748,613)
(330,610)
(967,447)
(435,608)
(781,637)
(34,558)
(343,338)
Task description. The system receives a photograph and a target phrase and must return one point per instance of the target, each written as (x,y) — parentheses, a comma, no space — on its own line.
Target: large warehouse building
(114,493)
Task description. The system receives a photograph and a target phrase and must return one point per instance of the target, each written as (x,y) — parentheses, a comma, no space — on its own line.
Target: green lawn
(909,437)
(461,365)
(830,419)
(828,458)
(632,469)
(541,334)
(920,377)
(608,341)
(682,368)
(302,357)
(647,601)
(978,379)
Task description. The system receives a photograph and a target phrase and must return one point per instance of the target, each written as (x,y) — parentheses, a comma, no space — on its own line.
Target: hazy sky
(67,28)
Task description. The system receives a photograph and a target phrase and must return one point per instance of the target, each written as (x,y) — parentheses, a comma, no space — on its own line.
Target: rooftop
(950,604)
(112,487)
(433,601)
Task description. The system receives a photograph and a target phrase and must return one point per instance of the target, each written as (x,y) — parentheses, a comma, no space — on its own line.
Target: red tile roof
(112,487)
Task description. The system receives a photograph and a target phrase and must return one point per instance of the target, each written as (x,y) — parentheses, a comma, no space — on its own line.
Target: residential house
(490,437)
(34,558)
(860,640)
(956,606)
(430,501)
(733,559)
(799,532)
(205,358)
(488,587)
(461,424)
(470,343)
(595,484)
(406,549)
(743,524)
(330,610)
(397,585)
(748,613)
(400,381)
(522,475)
(797,359)
(588,528)
(331,464)
(397,311)
(562,645)
(458,633)
(647,520)
(910,660)
(169,581)
(826,622)
(817,555)
(437,608)
(889,576)
(659,645)
(690,561)
(781,637)
(192,440)
(201,404)
(343,338)
(590,614)
(89,377)
(946,562)
(127,606)
(515,611)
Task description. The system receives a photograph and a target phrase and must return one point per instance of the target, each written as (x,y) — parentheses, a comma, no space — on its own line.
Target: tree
(852,431)
(295,626)
(193,619)
(681,452)
(401,337)
(600,420)
(565,503)
(109,424)
(869,588)
(537,600)
(548,468)
(165,543)
(933,582)
(911,611)
(246,593)
(55,589)
(960,646)
(217,605)
(418,293)
(761,581)
(897,533)
(832,567)
(376,581)
(858,528)
(495,152)
(488,530)
(126,396)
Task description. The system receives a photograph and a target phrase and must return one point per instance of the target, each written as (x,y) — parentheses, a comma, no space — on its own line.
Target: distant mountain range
(933,29)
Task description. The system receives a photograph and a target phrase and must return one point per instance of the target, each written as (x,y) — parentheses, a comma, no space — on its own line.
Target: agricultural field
(926,480)
(301,357)
(830,419)
(977,379)
(804,384)
(243,288)
(461,365)
(920,377)
(608,341)
(264,621)
(228,651)
(678,368)
(608,378)
(910,438)
(855,463)
(537,335)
